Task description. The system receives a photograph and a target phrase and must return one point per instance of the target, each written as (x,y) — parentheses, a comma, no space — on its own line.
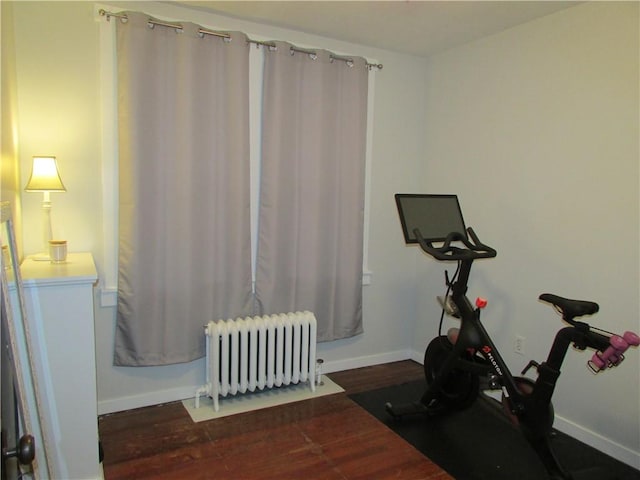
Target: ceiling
(414,27)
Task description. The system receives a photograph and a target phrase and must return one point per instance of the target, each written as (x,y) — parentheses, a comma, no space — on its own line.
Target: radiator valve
(319,363)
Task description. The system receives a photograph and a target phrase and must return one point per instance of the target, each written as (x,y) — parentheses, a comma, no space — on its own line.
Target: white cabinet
(59,306)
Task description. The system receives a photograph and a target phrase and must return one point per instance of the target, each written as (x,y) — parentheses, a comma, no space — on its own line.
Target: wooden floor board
(325,438)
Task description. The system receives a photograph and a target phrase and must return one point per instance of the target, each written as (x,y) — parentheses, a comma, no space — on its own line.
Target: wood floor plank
(368,457)
(378,376)
(325,438)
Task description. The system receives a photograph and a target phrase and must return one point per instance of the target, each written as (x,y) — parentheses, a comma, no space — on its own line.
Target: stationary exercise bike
(465,360)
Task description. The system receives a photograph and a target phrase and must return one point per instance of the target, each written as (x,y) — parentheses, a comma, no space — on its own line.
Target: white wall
(537,130)
(9,169)
(57,78)
(60,113)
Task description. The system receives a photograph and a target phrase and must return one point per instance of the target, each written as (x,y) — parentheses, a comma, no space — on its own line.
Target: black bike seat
(570,308)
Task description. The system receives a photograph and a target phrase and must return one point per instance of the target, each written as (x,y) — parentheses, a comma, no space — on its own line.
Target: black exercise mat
(480,443)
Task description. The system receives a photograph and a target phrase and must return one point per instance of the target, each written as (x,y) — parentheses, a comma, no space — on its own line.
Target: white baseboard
(145,399)
(366,361)
(177,394)
(417,356)
(108,297)
(597,441)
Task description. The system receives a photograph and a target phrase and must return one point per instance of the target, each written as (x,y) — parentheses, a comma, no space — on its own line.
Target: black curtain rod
(204,31)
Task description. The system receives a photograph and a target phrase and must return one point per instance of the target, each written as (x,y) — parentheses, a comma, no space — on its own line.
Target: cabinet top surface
(79,268)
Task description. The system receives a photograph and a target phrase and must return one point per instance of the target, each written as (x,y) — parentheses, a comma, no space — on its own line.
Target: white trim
(366,361)
(109,150)
(108,297)
(256,75)
(180,393)
(417,357)
(366,280)
(145,400)
(603,444)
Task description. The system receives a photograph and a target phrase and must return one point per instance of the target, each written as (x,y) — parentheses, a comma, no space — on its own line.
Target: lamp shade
(45,176)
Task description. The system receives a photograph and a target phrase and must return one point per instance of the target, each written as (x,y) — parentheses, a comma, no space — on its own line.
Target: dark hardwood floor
(324,438)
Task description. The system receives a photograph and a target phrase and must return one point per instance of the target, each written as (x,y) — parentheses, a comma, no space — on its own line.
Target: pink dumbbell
(613,355)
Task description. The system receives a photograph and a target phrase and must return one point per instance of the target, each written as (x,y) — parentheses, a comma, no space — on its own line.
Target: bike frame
(453,368)
(532,408)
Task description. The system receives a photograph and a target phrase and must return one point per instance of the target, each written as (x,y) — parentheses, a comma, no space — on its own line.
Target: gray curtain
(312,189)
(184,204)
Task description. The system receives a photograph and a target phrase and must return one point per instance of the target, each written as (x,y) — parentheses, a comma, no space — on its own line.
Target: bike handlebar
(473,250)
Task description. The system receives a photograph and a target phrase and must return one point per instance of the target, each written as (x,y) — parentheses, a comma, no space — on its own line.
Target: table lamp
(45,178)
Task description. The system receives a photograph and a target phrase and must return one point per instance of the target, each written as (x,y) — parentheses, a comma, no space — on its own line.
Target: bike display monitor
(434,215)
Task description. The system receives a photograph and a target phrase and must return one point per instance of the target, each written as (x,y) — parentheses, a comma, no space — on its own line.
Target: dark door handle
(25,452)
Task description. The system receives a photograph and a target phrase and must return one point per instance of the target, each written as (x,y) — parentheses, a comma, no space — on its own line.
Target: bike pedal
(532,363)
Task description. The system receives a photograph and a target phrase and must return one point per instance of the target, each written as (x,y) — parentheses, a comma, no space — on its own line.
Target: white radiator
(245,355)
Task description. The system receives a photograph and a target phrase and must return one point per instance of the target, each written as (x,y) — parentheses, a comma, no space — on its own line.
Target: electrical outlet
(518,345)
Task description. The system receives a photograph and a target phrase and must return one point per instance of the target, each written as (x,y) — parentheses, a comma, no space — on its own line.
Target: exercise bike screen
(434,215)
